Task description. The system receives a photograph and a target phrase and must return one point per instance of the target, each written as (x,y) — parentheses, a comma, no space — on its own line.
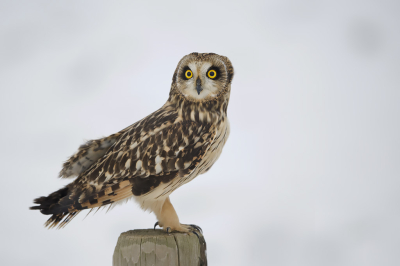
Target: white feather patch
(138,165)
(158,168)
(128,163)
(133,145)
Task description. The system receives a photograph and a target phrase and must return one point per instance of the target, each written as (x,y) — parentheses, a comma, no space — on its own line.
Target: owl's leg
(168,219)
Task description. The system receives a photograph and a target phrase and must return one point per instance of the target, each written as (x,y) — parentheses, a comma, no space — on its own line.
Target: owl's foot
(169,221)
(177,228)
(186,228)
(183,228)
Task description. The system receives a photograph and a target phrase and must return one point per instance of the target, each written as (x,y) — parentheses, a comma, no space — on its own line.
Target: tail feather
(60,220)
(50,204)
(64,204)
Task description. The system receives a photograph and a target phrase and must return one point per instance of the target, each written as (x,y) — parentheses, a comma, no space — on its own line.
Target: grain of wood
(147,247)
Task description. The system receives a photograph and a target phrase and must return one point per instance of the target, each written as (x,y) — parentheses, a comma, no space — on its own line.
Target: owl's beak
(198,86)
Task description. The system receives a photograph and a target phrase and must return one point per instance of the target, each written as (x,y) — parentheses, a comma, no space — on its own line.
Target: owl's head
(202,77)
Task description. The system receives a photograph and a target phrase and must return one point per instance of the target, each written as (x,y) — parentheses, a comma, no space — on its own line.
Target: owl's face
(202,77)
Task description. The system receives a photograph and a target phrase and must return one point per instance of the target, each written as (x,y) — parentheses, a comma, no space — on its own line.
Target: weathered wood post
(148,247)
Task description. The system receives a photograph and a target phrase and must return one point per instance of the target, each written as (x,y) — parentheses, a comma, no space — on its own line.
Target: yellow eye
(212,74)
(188,74)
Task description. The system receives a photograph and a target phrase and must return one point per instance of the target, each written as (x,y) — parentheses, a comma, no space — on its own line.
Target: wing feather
(87,154)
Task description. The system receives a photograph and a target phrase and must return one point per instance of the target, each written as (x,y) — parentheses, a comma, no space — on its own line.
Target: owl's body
(151,158)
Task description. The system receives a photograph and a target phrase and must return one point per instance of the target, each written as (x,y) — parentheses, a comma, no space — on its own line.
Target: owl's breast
(215,150)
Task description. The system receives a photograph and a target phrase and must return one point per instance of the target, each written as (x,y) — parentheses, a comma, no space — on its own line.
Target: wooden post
(148,247)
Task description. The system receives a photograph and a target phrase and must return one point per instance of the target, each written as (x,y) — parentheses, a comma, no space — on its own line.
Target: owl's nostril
(198,86)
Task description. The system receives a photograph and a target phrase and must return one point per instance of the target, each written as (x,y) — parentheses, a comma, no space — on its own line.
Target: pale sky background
(310,174)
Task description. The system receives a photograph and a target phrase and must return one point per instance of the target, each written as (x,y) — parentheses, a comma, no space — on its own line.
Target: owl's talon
(155,225)
(168,230)
(198,228)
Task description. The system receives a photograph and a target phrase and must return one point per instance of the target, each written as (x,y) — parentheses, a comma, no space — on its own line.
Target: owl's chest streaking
(212,154)
(215,150)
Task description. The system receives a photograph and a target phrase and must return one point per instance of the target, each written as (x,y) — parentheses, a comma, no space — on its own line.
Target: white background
(310,174)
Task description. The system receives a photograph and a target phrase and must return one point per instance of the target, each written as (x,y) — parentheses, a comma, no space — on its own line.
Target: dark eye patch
(217,70)
(183,76)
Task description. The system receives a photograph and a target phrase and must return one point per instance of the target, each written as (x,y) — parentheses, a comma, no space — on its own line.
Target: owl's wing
(148,160)
(87,154)
(138,162)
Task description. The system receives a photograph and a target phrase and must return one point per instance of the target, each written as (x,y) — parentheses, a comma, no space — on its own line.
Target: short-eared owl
(151,158)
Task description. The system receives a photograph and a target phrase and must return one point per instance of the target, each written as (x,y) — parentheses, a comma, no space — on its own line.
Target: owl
(150,159)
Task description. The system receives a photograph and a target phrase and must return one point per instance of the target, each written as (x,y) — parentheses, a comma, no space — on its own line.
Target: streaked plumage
(151,158)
